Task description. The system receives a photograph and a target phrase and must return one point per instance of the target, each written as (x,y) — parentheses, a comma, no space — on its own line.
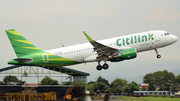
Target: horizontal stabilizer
(26,60)
(8,68)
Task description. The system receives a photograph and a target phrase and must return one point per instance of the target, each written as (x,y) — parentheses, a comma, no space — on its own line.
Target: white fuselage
(140,41)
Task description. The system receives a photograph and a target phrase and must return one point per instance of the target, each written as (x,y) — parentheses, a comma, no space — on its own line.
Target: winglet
(62,44)
(89,39)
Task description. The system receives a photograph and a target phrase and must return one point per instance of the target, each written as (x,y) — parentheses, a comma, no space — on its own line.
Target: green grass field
(124,98)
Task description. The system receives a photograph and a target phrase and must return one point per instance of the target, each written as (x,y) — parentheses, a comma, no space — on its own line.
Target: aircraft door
(45,57)
(157,37)
(152,42)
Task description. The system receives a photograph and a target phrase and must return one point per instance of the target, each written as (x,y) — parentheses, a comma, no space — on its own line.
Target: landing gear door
(45,57)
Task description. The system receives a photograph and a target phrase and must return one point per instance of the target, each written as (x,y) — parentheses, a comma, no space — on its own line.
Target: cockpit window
(166,34)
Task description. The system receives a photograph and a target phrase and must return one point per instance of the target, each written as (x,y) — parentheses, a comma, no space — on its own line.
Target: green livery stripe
(49,54)
(21,45)
(23,41)
(60,59)
(12,31)
(34,48)
(45,59)
(89,39)
(26,50)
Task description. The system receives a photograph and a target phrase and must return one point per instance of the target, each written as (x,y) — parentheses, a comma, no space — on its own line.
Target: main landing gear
(99,67)
(158,55)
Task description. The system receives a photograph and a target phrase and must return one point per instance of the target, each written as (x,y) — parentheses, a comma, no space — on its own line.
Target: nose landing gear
(158,55)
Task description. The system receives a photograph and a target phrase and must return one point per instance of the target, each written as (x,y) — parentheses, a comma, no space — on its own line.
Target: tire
(158,56)
(99,67)
(105,66)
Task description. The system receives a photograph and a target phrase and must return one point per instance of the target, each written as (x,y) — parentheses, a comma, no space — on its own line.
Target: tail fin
(21,45)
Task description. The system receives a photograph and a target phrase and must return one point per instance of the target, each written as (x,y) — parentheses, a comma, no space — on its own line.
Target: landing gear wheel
(99,67)
(158,56)
(105,66)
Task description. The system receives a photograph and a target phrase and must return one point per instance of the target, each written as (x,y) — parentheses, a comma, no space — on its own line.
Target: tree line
(116,86)
(164,80)
(13,80)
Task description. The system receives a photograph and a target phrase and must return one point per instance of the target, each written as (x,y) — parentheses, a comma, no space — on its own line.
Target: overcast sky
(48,23)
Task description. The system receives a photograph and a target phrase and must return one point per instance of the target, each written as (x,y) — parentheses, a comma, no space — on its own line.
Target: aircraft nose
(174,38)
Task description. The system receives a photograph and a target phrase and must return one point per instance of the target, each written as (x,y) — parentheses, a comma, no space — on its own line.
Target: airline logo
(134,39)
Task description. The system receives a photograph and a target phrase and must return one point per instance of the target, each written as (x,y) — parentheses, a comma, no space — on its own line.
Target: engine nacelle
(124,55)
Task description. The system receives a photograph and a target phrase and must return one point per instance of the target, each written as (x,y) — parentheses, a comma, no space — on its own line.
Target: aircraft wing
(102,50)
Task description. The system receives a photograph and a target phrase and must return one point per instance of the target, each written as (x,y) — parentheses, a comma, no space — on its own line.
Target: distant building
(157,88)
(30,85)
(178,88)
(144,86)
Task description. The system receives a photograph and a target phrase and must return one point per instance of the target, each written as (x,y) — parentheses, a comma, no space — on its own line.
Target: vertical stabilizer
(22,46)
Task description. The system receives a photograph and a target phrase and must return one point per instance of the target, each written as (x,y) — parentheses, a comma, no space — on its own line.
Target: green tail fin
(22,46)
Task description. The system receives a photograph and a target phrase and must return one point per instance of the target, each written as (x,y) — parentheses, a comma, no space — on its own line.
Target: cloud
(178,56)
(62,8)
(160,15)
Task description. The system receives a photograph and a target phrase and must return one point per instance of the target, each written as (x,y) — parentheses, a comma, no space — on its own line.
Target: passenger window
(55,54)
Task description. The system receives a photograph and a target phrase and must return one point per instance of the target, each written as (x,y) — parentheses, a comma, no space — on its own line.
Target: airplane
(114,49)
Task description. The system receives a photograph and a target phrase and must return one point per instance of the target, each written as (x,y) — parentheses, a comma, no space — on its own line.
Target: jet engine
(126,54)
